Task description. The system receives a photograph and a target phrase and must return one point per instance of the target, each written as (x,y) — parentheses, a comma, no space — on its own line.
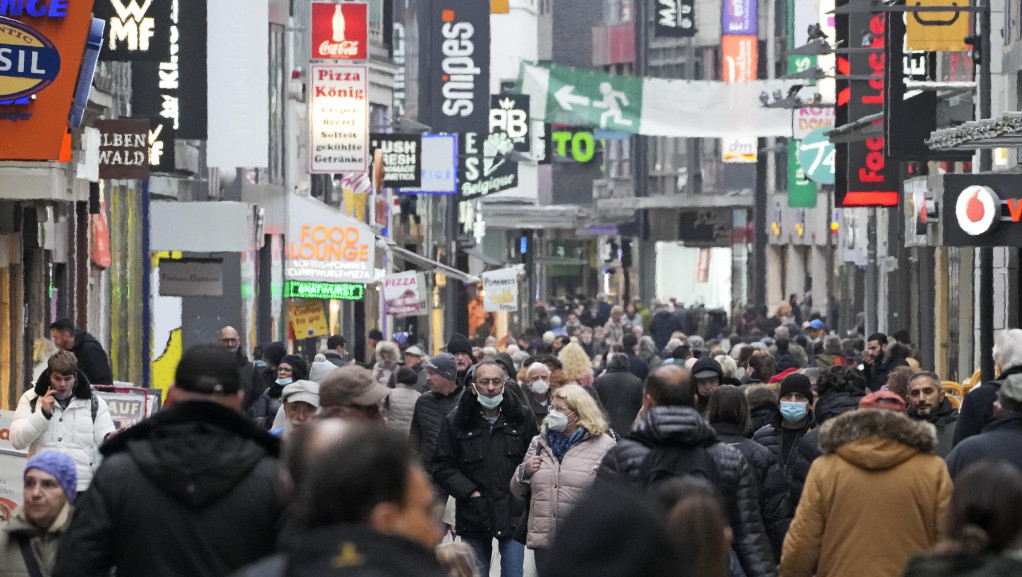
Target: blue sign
(29,62)
(439,165)
(34,8)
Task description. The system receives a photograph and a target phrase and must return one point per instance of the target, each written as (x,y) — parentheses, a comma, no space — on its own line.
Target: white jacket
(69,431)
(399,408)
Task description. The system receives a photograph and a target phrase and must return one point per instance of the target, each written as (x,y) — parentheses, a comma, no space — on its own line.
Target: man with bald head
(669,431)
(252,383)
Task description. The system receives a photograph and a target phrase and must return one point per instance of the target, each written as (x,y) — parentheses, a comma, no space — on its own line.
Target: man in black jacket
(92,359)
(928,402)
(198,474)
(668,418)
(620,392)
(480,446)
(433,406)
(880,361)
(252,383)
(1000,438)
(978,406)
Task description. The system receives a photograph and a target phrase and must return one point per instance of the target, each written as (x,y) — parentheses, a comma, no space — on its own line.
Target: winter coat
(958,565)
(431,410)
(621,393)
(663,325)
(977,408)
(399,408)
(44,544)
(473,455)
(252,383)
(876,373)
(876,497)
(613,332)
(682,426)
(351,551)
(71,431)
(198,474)
(944,418)
(539,409)
(557,487)
(637,366)
(335,358)
(421,384)
(763,415)
(808,448)
(775,502)
(772,437)
(999,440)
(264,410)
(92,359)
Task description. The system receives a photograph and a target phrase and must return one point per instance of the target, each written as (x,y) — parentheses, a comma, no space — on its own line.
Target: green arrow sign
(801,190)
(816,155)
(580,97)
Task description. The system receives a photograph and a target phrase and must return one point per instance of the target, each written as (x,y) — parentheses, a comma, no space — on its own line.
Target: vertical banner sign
(674,19)
(485,164)
(340,31)
(939,31)
(740,18)
(872,180)
(801,190)
(339,118)
(740,60)
(123,148)
(136,30)
(401,294)
(509,114)
(458,100)
(500,288)
(402,158)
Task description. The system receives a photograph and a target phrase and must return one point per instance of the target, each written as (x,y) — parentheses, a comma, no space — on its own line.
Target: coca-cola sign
(340,31)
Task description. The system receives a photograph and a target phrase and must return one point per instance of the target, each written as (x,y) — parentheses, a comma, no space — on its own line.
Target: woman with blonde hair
(457,559)
(561,463)
(387,357)
(576,365)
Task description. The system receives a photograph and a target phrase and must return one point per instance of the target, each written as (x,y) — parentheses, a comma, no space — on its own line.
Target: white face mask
(556,420)
(540,387)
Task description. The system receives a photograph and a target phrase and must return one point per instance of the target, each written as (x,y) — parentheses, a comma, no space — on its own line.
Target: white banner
(500,290)
(12,469)
(401,294)
(339,118)
(237,78)
(324,245)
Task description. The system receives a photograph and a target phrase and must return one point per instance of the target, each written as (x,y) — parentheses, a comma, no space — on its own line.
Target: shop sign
(740,17)
(674,19)
(308,319)
(439,165)
(402,158)
(29,62)
(191,278)
(339,119)
(128,405)
(801,190)
(401,294)
(500,290)
(816,156)
(344,291)
(577,144)
(509,114)
(323,245)
(806,120)
(740,58)
(460,66)
(340,31)
(736,150)
(938,31)
(982,209)
(136,30)
(486,165)
(123,148)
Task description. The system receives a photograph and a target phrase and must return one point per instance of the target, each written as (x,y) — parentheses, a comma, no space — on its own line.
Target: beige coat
(556,487)
(43,543)
(875,498)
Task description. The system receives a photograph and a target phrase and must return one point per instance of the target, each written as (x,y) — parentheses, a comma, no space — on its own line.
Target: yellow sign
(937,31)
(500,7)
(308,319)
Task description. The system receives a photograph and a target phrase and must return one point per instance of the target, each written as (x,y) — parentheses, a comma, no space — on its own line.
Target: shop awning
(424,262)
(1002,132)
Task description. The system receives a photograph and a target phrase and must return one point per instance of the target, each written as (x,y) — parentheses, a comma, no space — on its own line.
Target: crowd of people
(630,444)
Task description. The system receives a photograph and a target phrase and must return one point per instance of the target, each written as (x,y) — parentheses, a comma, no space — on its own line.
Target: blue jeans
(512,555)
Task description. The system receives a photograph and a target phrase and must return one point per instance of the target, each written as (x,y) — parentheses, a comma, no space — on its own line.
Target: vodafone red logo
(978,210)
(340,31)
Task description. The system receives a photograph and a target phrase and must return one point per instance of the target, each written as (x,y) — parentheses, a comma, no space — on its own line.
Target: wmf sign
(136,30)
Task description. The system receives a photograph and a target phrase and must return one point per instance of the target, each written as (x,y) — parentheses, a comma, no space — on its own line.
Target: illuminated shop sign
(324,290)
(34,8)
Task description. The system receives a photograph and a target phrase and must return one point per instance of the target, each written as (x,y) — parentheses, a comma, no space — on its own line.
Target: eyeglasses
(490,382)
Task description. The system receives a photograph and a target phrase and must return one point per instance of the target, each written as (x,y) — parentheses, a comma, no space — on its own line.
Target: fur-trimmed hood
(876,438)
(82,388)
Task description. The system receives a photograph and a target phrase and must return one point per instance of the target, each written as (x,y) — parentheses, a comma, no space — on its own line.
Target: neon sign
(324,290)
(35,8)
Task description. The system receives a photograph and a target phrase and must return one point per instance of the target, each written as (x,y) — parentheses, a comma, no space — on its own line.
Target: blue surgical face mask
(490,402)
(260,364)
(794,411)
(284,382)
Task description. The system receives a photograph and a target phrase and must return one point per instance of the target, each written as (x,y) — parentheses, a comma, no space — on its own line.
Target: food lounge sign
(324,245)
(41,47)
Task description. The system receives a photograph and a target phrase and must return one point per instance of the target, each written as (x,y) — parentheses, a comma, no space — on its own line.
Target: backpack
(93,405)
(663,463)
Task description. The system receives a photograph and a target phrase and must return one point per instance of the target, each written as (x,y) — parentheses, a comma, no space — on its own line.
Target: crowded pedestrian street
(510,288)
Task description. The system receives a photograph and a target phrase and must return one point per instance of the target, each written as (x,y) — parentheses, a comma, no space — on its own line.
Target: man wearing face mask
(537,378)
(794,420)
(479,448)
(62,413)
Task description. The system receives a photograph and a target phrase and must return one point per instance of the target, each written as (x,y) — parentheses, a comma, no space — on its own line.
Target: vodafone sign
(978,210)
(340,31)
(983,209)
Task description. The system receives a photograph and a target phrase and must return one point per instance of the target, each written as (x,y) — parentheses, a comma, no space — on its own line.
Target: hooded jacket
(772,437)
(92,359)
(430,412)
(977,408)
(621,394)
(474,455)
(199,475)
(706,363)
(807,449)
(44,543)
(999,440)
(682,426)
(875,498)
(944,417)
(70,430)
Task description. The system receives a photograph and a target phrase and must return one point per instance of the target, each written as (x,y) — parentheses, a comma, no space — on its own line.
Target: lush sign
(402,158)
(324,290)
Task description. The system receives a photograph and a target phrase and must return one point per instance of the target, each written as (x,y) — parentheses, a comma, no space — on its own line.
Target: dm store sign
(29,62)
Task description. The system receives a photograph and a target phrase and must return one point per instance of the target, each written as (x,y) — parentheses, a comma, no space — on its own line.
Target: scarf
(559,443)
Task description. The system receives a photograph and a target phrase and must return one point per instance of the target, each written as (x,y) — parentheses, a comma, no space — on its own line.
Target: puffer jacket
(70,431)
(682,426)
(557,487)
(775,501)
(264,410)
(44,543)
(430,412)
(399,408)
(473,455)
(772,437)
(962,565)
(876,497)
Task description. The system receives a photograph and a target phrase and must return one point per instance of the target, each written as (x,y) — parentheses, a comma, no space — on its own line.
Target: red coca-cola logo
(340,31)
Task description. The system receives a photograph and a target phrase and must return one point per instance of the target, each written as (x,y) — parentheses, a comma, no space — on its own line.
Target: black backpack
(663,463)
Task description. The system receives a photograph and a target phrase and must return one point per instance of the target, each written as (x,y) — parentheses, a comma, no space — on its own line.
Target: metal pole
(986,254)
(870,322)
(147,272)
